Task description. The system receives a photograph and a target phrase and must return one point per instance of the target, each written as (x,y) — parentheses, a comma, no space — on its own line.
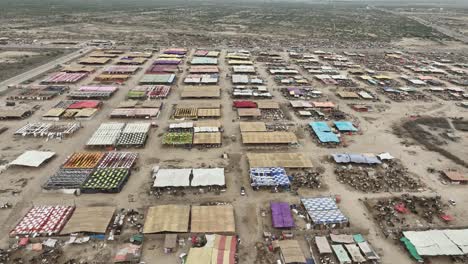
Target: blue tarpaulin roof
(269,177)
(324,133)
(356,158)
(323,210)
(345,126)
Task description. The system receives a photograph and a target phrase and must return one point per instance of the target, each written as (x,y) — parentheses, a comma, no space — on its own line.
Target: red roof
(85,104)
(245,104)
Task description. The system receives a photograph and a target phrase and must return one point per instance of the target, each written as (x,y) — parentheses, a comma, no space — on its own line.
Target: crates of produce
(83,160)
(67,179)
(134,134)
(109,180)
(106,135)
(124,160)
(178,138)
(43,220)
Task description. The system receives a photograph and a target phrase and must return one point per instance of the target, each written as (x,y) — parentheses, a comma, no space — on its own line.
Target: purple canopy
(166,62)
(296,90)
(281,216)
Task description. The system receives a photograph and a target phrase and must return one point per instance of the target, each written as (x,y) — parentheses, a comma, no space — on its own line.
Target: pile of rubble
(389,177)
(307,178)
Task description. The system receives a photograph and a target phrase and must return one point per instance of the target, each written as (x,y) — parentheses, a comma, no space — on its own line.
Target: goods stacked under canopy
(43,220)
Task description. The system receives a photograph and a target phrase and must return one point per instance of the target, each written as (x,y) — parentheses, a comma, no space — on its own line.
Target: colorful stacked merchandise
(94,172)
(43,220)
(112,173)
(267,177)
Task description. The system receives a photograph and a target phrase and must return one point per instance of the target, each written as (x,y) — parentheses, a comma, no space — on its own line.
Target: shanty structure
(144,113)
(252,127)
(355,253)
(324,132)
(200,255)
(348,95)
(437,242)
(204,61)
(285,160)
(345,126)
(366,158)
(455,177)
(210,112)
(93,92)
(64,77)
(291,252)
(32,158)
(94,220)
(273,137)
(300,104)
(281,216)
(94,61)
(213,219)
(157,79)
(37,93)
(15,113)
(167,218)
(249,112)
(119,69)
(203,69)
(341,254)
(219,250)
(201,92)
(213,138)
(78,68)
(205,79)
(322,245)
(244,69)
(112,78)
(267,105)
(131,61)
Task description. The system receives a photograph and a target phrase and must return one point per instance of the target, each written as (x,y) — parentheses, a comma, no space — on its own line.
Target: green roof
(411,248)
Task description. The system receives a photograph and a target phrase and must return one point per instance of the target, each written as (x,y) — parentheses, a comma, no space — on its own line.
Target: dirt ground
(16,61)
(22,187)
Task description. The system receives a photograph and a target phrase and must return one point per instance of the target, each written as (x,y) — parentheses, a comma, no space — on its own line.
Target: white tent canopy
(32,158)
(438,242)
(208,177)
(172,178)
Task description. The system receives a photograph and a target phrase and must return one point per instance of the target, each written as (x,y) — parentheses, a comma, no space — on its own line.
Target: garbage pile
(390,177)
(308,178)
(326,260)
(272,114)
(278,127)
(50,256)
(406,211)
(392,210)
(407,96)
(264,256)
